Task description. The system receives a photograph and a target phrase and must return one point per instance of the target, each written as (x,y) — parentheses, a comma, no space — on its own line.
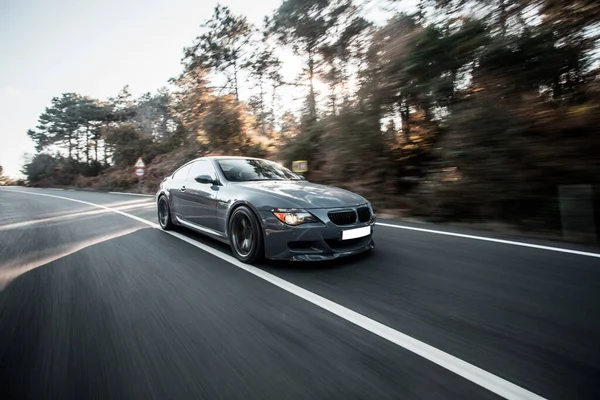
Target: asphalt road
(99,305)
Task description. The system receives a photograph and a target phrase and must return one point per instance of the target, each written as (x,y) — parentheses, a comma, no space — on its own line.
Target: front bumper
(312,241)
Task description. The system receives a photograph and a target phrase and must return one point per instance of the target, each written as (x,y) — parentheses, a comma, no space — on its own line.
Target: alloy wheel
(242,234)
(163,213)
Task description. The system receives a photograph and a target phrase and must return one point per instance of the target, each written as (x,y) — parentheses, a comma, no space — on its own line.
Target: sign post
(300,166)
(139,172)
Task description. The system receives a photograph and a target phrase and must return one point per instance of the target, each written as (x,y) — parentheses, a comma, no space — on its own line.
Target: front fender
(236,204)
(230,197)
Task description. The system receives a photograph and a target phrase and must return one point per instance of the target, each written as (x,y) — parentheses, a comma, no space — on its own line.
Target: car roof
(227,157)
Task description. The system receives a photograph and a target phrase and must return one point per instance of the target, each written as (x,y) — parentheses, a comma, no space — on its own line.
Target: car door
(177,187)
(200,199)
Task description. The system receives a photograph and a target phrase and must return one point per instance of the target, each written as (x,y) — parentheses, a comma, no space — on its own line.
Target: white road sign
(139,163)
(300,166)
(139,172)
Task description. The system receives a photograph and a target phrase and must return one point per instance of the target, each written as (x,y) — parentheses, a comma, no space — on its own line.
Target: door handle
(182,188)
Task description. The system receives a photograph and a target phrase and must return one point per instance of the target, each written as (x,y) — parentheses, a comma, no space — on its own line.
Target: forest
(464,110)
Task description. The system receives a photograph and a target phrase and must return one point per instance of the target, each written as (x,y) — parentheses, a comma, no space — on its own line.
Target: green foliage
(128,143)
(42,166)
(4,179)
(466,109)
(301,23)
(304,25)
(304,145)
(254,149)
(72,122)
(533,61)
(352,139)
(51,170)
(264,67)
(224,125)
(223,46)
(154,116)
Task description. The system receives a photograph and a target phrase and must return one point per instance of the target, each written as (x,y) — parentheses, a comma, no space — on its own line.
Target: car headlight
(371,208)
(294,217)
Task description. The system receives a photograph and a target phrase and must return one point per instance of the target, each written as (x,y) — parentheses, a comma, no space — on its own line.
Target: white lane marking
(142,220)
(468,371)
(461,235)
(487,239)
(65,217)
(133,194)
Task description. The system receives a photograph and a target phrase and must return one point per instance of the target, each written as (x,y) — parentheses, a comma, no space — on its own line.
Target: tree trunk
(454,79)
(235,80)
(105,151)
(421,11)
(312,106)
(405,118)
(333,99)
(96,148)
(70,138)
(87,145)
(261,106)
(273,98)
(503,17)
(77,147)
(345,92)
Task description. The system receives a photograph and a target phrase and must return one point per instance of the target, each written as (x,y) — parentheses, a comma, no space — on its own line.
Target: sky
(95,48)
(49,47)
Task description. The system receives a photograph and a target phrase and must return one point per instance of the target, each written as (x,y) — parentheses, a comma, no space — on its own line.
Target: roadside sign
(139,163)
(300,166)
(139,172)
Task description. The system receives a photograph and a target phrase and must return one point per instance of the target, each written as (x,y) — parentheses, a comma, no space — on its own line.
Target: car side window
(202,167)
(182,173)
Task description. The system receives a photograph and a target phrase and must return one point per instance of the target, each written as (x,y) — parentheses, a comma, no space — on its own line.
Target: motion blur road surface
(99,305)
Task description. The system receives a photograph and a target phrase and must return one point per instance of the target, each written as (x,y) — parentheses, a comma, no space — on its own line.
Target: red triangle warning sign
(139,163)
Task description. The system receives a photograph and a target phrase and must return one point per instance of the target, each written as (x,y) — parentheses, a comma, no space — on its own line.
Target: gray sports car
(264,210)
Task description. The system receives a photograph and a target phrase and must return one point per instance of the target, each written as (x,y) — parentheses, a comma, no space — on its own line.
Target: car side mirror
(205,179)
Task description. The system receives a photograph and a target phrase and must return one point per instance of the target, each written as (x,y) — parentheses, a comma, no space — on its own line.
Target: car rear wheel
(245,235)
(164,214)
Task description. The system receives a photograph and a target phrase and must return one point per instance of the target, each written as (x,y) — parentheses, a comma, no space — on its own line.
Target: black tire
(164,214)
(245,235)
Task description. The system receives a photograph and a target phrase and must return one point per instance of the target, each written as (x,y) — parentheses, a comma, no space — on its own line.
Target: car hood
(304,194)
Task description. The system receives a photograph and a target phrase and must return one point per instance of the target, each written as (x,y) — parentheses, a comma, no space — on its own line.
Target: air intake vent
(342,217)
(364,214)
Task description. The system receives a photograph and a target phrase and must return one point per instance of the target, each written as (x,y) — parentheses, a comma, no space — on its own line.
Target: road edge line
(472,373)
(488,239)
(139,219)
(133,194)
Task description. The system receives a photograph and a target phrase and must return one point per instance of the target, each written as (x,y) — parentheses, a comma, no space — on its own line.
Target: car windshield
(243,170)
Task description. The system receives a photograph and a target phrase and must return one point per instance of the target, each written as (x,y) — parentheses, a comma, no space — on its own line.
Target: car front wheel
(245,235)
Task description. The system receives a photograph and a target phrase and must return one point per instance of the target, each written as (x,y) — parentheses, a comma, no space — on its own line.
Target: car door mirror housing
(205,179)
